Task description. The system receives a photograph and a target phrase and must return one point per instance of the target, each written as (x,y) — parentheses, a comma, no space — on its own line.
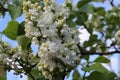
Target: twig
(84,52)
(111,2)
(84,75)
(102,53)
(2,9)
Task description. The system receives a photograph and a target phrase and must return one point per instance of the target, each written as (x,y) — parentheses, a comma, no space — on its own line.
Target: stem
(41,34)
(84,52)
(84,75)
(0,36)
(102,53)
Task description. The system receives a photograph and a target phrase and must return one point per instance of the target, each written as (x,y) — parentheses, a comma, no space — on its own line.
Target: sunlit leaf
(11,30)
(37,75)
(102,59)
(96,67)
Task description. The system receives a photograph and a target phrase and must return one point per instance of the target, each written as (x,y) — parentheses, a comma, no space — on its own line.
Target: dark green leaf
(93,37)
(69,5)
(81,17)
(100,11)
(95,75)
(86,57)
(70,19)
(24,42)
(92,40)
(111,76)
(21,28)
(102,59)
(11,30)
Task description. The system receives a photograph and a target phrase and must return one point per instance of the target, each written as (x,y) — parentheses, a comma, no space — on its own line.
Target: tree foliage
(53,27)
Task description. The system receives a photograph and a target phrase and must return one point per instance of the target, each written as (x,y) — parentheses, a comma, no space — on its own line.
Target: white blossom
(58,41)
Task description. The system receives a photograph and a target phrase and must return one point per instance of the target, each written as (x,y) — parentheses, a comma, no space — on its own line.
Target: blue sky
(6,19)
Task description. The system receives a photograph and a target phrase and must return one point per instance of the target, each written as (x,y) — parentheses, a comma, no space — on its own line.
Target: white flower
(33,12)
(58,40)
(31,31)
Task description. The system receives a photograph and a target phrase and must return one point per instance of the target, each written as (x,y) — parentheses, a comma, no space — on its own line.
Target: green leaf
(15,11)
(24,42)
(82,3)
(2,78)
(111,76)
(102,59)
(102,76)
(88,8)
(76,75)
(96,67)
(93,37)
(37,75)
(86,57)
(99,11)
(81,17)
(70,20)
(95,75)
(35,60)
(21,29)
(69,5)
(17,2)
(92,40)
(11,30)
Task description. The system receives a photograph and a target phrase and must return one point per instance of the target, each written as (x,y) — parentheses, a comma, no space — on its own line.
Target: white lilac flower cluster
(9,56)
(46,20)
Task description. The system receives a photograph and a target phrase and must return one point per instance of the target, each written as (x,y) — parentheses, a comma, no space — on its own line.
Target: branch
(111,2)
(84,52)
(2,9)
(101,53)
